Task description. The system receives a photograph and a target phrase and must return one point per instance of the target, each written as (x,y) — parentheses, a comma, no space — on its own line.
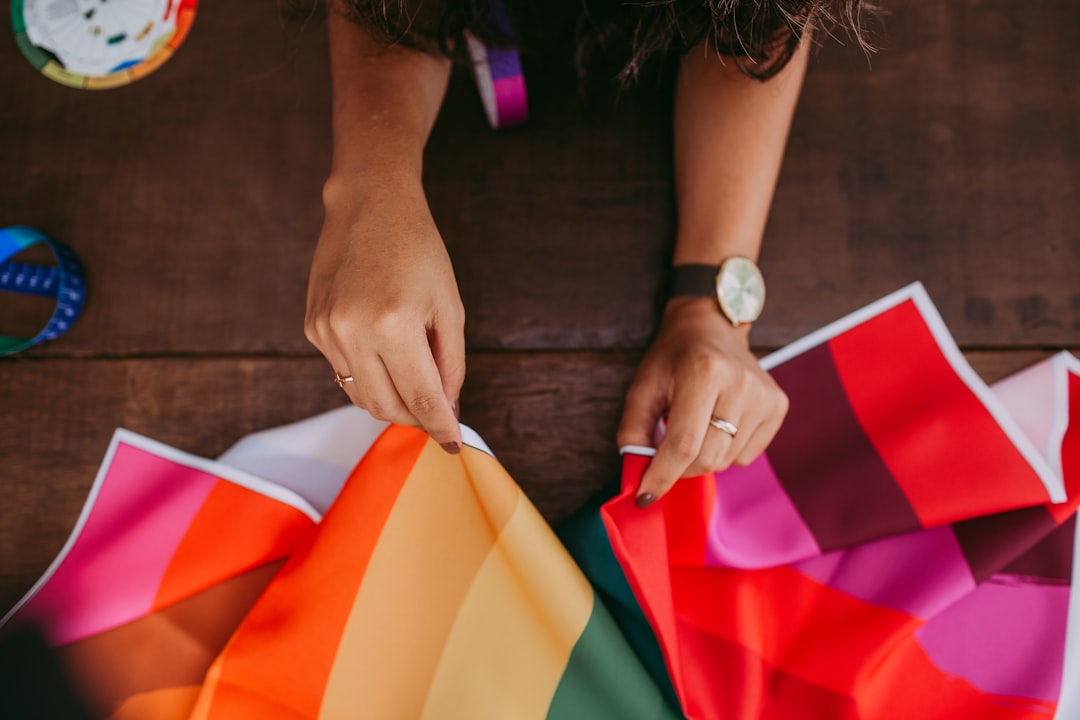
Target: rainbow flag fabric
(904,549)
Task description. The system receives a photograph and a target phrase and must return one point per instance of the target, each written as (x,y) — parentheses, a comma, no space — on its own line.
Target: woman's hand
(383,307)
(699,368)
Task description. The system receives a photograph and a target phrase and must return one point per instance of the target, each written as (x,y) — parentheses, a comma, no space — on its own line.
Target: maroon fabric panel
(1011,542)
(827,464)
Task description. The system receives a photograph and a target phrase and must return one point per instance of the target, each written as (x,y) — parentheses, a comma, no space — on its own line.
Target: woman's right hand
(383,306)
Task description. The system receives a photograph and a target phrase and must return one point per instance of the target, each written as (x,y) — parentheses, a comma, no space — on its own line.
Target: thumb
(640,416)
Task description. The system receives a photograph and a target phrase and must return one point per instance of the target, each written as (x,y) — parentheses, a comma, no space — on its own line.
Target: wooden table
(193,197)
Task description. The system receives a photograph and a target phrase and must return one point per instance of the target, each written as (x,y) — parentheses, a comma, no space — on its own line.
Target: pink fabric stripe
(754,523)
(111,574)
(882,572)
(1005,618)
(510,101)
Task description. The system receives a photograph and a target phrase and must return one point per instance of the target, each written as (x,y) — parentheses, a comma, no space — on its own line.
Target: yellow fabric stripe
(445,522)
(525,611)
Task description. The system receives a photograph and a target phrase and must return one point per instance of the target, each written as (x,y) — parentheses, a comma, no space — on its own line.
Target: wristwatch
(736,283)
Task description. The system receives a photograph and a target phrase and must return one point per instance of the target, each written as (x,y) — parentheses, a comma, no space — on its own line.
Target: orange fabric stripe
(235,530)
(445,523)
(274,638)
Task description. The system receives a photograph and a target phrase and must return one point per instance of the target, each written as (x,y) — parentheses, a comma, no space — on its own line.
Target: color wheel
(98,44)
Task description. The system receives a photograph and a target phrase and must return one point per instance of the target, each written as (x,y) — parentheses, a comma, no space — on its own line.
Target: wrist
(678,309)
(697,320)
(366,187)
(736,285)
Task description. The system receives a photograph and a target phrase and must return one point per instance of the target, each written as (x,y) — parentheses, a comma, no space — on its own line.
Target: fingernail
(451,447)
(644,500)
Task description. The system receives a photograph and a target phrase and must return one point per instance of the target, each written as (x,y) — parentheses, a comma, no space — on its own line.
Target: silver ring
(723,426)
(342,379)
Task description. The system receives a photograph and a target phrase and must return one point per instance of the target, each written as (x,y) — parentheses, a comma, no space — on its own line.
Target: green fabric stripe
(604,679)
(585,536)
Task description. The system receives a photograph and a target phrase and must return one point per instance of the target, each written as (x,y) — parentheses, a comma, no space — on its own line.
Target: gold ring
(342,379)
(723,426)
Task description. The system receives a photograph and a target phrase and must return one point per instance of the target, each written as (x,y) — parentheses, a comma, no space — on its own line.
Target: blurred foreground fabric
(904,549)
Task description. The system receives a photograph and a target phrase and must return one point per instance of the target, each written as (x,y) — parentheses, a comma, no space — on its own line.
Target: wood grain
(193,195)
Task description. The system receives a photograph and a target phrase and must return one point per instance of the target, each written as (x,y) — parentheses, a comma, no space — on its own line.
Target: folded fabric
(904,549)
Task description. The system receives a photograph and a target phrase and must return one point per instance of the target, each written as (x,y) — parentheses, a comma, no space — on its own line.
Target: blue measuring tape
(63,282)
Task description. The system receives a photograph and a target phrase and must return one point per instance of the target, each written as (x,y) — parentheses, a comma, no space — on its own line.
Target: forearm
(385,102)
(730,133)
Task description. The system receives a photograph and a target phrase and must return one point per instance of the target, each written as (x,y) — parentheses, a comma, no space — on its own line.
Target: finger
(370,388)
(717,451)
(361,379)
(447,341)
(746,427)
(643,410)
(688,419)
(416,379)
(373,390)
(757,443)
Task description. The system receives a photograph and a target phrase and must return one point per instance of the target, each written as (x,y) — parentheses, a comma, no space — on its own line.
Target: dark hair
(759,35)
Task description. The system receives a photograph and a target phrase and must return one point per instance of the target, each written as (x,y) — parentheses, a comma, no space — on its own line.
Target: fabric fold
(905,548)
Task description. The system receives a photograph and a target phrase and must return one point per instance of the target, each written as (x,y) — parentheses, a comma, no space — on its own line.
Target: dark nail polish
(451,447)
(644,500)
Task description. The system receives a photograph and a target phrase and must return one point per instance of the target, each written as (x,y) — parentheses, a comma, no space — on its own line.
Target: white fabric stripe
(637,450)
(338,437)
(313,479)
(471,438)
(828,332)
(217,469)
(1051,480)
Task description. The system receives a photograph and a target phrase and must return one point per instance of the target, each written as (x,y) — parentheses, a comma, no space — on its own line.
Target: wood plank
(551,419)
(949,160)
(193,195)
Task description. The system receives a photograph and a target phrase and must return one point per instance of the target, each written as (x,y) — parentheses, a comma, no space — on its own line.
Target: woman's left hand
(699,369)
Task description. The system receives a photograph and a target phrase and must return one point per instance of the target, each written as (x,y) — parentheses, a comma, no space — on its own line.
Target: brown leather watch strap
(693,281)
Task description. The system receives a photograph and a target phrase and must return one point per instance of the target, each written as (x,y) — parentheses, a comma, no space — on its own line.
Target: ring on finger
(723,425)
(342,379)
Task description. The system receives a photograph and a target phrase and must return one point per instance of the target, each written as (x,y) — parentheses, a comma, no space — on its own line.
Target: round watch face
(740,289)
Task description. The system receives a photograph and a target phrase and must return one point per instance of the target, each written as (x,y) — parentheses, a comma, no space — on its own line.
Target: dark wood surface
(950,157)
